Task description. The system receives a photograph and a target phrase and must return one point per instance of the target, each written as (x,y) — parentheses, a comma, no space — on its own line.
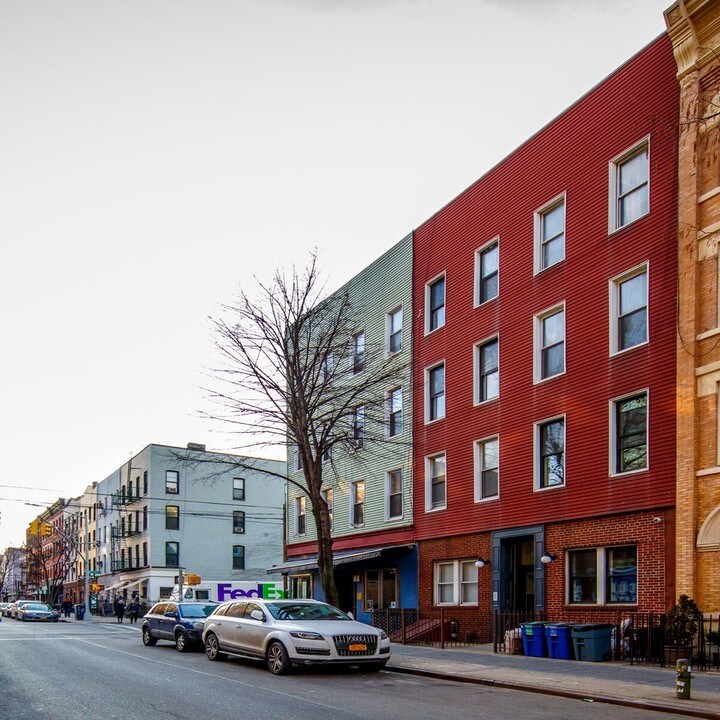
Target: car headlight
(198,625)
(307,635)
(383,635)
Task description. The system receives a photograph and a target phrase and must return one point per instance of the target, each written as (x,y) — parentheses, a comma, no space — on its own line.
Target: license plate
(358,647)
(43,618)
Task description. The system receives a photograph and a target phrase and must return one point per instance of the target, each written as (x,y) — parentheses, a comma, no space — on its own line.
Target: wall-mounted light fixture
(481,563)
(547,558)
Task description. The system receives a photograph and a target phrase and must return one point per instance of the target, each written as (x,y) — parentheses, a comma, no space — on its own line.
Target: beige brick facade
(694,27)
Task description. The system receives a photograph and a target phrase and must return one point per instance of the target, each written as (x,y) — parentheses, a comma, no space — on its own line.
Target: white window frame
(325,493)
(428,482)
(613,470)
(537,472)
(477,374)
(428,285)
(354,352)
(389,406)
(357,430)
(538,338)
(300,504)
(601,569)
(388,329)
(457,566)
(353,501)
(615,284)
(478,468)
(428,403)
(478,270)
(388,493)
(614,168)
(297,463)
(539,224)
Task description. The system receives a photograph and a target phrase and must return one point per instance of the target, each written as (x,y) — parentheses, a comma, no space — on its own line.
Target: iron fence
(456,627)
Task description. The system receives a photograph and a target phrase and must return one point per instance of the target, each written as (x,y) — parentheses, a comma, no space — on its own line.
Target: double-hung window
(358,353)
(238,521)
(172,517)
(487,268)
(487,469)
(435,483)
(630,186)
(357,503)
(300,514)
(630,433)
(238,557)
(550,343)
(238,488)
(172,554)
(550,234)
(358,427)
(172,482)
(394,494)
(327,496)
(602,576)
(550,453)
(487,372)
(395,412)
(435,304)
(456,582)
(435,393)
(394,330)
(629,310)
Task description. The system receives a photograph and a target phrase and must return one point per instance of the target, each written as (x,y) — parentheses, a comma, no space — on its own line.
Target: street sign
(94,573)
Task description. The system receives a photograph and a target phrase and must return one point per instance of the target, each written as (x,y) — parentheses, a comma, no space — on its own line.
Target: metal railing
(454,627)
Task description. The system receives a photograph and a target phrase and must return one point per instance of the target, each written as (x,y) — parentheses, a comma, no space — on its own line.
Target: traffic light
(46,529)
(95,588)
(34,527)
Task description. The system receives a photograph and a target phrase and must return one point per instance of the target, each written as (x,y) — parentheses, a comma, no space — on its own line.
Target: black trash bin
(79,612)
(592,642)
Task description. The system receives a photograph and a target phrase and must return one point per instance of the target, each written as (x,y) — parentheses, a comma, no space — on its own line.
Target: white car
(293,632)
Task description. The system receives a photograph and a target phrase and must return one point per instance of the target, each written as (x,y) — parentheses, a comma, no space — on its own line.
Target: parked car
(36,611)
(16,607)
(293,632)
(8,611)
(178,622)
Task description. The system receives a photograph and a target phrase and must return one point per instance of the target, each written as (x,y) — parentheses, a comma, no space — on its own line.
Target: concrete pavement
(617,683)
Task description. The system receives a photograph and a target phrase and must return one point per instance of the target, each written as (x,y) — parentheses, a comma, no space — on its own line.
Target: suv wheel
(182,644)
(147,638)
(212,648)
(278,662)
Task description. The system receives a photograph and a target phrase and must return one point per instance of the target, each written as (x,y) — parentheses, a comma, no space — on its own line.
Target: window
(358,427)
(357,500)
(550,234)
(238,557)
(435,304)
(630,433)
(487,464)
(238,488)
(435,393)
(629,310)
(300,514)
(599,576)
(629,186)
(487,374)
(238,521)
(172,517)
(550,444)
(145,482)
(297,460)
(328,365)
(435,483)
(550,344)
(301,586)
(394,494)
(394,330)
(172,481)
(486,272)
(456,582)
(358,353)
(327,496)
(145,554)
(145,518)
(172,554)
(395,412)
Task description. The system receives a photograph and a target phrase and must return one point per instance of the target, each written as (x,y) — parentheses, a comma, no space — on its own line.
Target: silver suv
(293,632)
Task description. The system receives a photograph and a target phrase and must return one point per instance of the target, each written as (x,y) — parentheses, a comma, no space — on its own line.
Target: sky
(158,155)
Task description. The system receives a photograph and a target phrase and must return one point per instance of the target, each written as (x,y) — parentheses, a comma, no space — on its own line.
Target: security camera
(657,520)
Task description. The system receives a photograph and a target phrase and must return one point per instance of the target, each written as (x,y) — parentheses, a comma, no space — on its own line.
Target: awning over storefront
(340,558)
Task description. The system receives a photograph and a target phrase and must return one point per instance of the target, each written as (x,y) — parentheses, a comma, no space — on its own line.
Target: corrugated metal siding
(379,288)
(571,155)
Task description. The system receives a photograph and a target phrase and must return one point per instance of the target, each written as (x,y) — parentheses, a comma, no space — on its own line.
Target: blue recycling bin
(79,612)
(592,642)
(559,641)
(533,637)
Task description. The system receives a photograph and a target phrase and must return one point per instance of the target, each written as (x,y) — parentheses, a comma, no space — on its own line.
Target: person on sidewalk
(119,609)
(66,607)
(133,610)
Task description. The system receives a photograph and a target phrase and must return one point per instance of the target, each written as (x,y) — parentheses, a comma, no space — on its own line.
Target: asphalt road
(65,671)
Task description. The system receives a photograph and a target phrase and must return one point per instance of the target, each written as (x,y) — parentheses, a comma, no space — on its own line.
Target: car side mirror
(258,615)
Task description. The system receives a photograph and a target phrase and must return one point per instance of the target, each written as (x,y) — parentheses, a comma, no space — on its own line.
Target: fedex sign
(237,590)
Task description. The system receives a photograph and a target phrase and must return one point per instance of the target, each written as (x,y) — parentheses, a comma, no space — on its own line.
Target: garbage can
(533,636)
(79,612)
(559,641)
(592,642)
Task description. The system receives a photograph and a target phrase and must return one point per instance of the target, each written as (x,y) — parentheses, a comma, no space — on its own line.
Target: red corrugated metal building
(544,364)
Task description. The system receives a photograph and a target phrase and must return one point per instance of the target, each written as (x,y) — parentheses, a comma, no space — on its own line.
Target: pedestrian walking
(119,608)
(66,607)
(133,610)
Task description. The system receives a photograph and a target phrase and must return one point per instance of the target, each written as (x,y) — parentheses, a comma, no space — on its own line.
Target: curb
(570,694)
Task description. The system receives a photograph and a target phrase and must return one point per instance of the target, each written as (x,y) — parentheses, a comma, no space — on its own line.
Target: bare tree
(292,374)
(48,562)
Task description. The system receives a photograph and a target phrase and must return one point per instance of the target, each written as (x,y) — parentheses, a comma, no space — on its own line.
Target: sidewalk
(618,683)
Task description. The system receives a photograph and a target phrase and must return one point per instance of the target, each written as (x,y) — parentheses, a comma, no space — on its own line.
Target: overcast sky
(155,154)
